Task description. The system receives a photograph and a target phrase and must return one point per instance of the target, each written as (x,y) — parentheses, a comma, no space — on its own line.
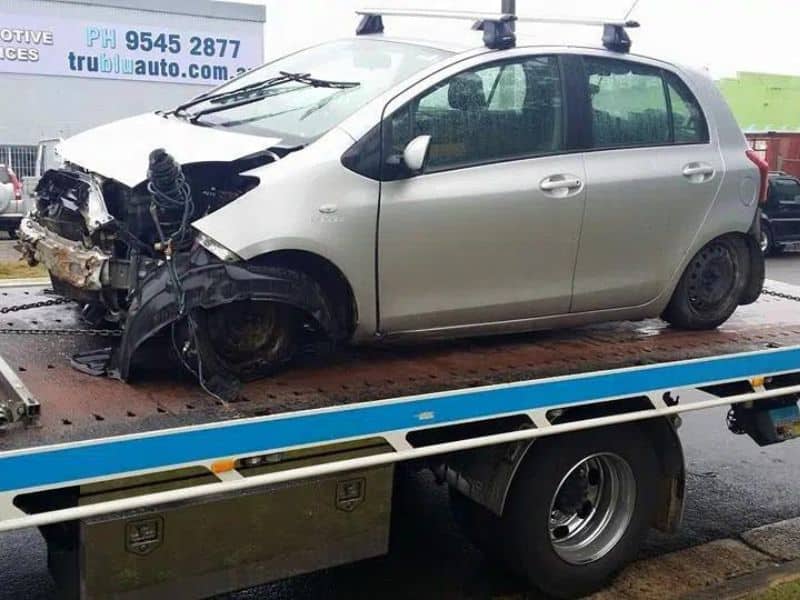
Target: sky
(723,36)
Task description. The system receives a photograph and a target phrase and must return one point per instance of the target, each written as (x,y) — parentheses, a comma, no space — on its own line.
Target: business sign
(43,45)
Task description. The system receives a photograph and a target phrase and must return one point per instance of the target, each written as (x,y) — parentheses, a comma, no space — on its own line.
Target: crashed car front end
(130,255)
(99,238)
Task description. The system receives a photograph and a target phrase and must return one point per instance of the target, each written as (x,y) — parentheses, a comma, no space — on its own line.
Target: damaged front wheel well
(327,275)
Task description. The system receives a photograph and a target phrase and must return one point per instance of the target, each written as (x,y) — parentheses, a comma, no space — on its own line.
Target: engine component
(172,205)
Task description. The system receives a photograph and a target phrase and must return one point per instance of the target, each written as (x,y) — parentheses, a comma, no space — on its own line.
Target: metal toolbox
(201,548)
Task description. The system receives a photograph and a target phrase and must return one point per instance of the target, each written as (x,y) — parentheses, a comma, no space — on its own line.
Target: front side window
(492,113)
(639,105)
(4,177)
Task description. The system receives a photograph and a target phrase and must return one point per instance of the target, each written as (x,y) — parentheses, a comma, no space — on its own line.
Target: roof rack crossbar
(615,38)
(498,32)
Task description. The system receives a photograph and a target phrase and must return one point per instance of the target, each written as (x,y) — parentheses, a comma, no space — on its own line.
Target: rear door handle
(698,172)
(561,185)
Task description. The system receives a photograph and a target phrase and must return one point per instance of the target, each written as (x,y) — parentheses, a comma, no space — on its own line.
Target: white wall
(35,107)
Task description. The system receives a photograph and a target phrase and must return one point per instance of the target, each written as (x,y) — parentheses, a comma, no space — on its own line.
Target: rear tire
(710,289)
(579,509)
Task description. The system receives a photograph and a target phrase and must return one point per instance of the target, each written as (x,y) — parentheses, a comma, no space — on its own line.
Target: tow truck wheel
(579,509)
(249,339)
(710,289)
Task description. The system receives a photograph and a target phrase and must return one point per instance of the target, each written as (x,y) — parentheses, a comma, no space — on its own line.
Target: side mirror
(416,153)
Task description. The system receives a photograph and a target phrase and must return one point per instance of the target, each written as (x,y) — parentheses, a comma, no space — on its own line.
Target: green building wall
(764,102)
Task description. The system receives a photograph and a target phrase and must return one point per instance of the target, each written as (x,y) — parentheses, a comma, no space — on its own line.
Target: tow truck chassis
(458,397)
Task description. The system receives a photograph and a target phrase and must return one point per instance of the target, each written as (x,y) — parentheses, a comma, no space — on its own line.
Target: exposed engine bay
(131,257)
(122,233)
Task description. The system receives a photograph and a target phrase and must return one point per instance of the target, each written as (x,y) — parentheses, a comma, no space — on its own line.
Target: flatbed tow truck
(156,489)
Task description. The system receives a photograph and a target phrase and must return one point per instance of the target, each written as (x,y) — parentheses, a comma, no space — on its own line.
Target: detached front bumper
(67,261)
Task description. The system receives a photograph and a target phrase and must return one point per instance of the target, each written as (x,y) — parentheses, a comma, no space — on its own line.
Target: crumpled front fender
(206,282)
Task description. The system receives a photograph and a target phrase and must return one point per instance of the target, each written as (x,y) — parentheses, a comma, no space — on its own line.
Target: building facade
(69,65)
(767,108)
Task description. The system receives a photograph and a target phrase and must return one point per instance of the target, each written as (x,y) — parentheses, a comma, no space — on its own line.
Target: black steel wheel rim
(712,277)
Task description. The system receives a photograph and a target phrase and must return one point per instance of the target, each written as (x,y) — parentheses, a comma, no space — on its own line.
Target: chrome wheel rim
(592,508)
(764,241)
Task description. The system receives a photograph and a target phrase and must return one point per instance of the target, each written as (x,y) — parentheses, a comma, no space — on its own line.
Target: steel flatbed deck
(77,407)
(102,449)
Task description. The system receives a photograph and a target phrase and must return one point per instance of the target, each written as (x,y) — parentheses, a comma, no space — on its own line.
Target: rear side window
(4,178)
(786,191)
(638,105)
(503,111)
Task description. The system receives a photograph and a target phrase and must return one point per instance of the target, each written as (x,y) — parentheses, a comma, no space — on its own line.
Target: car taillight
(763,171)
(17,185)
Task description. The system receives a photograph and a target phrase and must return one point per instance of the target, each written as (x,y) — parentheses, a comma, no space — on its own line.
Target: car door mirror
(416,152)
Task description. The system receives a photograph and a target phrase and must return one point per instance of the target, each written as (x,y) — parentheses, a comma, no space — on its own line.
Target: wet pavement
(733,486)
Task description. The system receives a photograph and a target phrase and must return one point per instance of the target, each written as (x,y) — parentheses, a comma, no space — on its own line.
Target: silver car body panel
(309,202)
(120,150)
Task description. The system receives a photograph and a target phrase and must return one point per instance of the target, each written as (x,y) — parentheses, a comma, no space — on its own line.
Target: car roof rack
(498,28)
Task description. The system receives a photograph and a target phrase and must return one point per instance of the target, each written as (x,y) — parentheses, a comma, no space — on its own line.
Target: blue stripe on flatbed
(113,457)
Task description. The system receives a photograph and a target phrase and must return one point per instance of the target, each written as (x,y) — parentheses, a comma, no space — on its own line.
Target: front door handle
(561,186)
(698,172)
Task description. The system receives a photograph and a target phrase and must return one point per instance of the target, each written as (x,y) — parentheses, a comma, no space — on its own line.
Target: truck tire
(710,289)
(579,509)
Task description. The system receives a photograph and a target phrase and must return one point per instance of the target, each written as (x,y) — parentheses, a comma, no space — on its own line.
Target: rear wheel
(579,509)
(710,289)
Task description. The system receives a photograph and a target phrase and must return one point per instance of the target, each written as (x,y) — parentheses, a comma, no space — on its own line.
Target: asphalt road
(732,486)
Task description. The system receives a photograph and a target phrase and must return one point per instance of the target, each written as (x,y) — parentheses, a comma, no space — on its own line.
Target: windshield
(298,111)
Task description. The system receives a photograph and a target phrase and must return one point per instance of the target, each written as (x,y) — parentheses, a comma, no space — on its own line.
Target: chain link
(40,304)
(781,295)
(109,333)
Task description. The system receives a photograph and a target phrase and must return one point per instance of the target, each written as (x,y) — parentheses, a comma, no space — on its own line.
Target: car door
(652,172)
(488,231)
(785,208)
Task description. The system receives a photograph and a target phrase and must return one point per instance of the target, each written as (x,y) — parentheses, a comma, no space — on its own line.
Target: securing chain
(61,332)
(781,295)
(53,331)
(41,304)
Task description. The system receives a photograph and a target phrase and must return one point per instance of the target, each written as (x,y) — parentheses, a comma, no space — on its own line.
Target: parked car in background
(780,217)
(12,207)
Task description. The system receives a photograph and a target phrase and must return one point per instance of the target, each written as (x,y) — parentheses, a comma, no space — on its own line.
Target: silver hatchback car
(376,188)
